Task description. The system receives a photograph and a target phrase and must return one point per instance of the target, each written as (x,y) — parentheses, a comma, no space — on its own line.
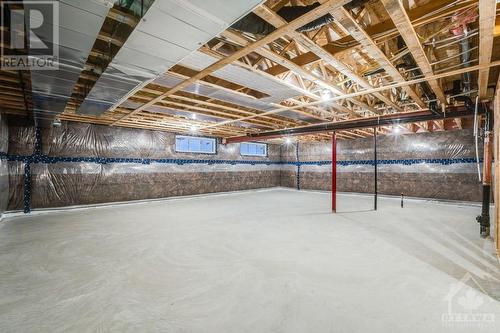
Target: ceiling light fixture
(325,95)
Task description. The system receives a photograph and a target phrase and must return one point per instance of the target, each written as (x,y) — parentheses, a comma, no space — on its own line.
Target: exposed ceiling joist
(292,26)
(311,45)
(487,15)
(369,46)
(400,18)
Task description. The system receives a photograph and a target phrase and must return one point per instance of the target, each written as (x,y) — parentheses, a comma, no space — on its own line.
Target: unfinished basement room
(250,166)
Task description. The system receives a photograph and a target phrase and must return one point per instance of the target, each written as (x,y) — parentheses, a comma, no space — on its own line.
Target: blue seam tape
(105,160)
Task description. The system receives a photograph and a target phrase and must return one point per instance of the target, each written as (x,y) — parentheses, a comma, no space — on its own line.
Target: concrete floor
(264,261)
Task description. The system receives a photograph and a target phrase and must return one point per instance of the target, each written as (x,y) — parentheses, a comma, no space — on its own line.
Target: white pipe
(476,135)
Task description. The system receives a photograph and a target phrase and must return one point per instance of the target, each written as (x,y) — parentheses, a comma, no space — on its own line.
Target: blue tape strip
(38,157)
(38,142)
(27,187)
(298,164)
(105,160)
(447,161)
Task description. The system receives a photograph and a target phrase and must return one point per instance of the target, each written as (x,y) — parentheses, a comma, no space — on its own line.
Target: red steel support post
(334,172)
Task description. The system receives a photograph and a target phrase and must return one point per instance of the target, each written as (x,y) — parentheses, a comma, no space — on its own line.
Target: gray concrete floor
(269,261)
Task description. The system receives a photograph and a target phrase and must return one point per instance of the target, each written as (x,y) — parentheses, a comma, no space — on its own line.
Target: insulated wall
(4,169)
(80,164)
(439,165)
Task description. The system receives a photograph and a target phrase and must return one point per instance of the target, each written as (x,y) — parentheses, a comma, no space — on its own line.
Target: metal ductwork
(254,24)
(409,63)
(79,25)
(168,32)
(461,29)
(465,57)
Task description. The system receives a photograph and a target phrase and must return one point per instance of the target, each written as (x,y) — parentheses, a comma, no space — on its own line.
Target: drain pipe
(476,137)
(484,218)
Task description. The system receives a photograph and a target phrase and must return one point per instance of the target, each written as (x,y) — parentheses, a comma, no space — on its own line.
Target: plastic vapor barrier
(439,165)
(78,164)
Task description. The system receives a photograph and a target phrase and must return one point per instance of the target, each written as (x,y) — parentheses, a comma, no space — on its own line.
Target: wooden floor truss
(357,52)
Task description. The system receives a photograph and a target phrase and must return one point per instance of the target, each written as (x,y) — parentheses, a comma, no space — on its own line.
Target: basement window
(194,144)
(253,149)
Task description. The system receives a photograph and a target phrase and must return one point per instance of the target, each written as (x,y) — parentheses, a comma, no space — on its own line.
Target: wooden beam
(400,18)
(496,165)
(299,71)
(370,47)
(387,87)
(292,26)
(386,29)
(487,14)
(274,19)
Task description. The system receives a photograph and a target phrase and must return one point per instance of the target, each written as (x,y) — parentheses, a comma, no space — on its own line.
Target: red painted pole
(334,172)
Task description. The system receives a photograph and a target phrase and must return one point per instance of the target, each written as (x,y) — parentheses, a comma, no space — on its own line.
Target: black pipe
(393,119)
(375,168)
(402,197)
(484,218)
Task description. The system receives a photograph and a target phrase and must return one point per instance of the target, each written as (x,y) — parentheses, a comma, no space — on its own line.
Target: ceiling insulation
(169,31)
(79,24)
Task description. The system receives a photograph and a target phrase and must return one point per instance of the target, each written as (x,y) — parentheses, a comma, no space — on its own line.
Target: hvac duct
(409,63)
(169,32)
(253,24)
(461,29)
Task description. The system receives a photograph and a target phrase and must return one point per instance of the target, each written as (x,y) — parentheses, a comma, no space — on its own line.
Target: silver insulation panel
(238,74)
(79,25)
(169,31)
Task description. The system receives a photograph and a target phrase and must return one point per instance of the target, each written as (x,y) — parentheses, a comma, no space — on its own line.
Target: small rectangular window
(253,149)
(193,144)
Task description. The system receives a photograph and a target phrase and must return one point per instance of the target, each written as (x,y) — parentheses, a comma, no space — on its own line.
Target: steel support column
(375,162)
(334,172)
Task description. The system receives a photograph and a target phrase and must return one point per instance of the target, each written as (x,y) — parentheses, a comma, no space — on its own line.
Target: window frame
(199,138)
(255,155)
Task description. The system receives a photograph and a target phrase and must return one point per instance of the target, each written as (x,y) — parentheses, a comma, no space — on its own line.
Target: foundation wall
(78,165)
(439,165)
(58,181)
